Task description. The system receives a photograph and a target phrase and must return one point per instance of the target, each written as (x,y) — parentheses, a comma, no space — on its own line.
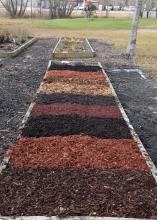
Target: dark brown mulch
(75,99)
(64,192)
(46,126)
(77,151)
(76,109)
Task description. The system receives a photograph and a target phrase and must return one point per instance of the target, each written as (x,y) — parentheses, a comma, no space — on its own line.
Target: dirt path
(19,80)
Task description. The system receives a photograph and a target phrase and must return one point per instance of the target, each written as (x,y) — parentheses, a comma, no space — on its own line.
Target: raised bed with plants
(11,45)
(77,155)
(68,47)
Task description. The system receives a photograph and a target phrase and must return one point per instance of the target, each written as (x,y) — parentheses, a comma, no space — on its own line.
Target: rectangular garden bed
(78,154)
(67,48)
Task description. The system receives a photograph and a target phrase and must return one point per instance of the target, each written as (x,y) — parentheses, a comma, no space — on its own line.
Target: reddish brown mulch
(75,109)
(77,151)
(76,74)
(64,192)
(46,126)
(75,99)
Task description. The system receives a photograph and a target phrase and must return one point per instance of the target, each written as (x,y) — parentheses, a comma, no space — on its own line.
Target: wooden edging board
(19,49)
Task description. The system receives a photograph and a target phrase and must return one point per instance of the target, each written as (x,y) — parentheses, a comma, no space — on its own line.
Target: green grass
(90,24)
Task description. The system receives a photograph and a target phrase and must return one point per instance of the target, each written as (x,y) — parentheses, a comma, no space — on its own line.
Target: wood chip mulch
(76,109)
(77,151)
(76,155)
(82,192)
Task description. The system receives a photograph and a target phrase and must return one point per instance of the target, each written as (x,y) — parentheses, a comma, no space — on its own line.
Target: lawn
(115,31)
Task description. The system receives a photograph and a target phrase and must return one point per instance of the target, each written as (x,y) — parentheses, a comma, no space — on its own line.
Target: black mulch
(46,126)
(70,191)
(74,67)
(75,99)
(19,79)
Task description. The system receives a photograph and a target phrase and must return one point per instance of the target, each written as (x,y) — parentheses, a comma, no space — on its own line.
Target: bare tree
(135,22)
(15,8)
(61,8)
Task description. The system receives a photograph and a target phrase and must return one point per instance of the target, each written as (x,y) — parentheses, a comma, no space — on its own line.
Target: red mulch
(75,74)
(77,151)
(75,109)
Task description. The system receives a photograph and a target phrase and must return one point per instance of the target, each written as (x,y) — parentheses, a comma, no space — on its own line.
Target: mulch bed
(46,126)
(76,109)
(72,191)
(50,168)
(77,151)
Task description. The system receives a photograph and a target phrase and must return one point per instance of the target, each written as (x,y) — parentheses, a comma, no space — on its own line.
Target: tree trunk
(135,22)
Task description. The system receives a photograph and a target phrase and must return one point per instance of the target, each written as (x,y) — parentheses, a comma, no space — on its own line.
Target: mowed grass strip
(80,23)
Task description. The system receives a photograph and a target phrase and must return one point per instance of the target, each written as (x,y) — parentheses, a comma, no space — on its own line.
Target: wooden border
(18,50)
(69,55)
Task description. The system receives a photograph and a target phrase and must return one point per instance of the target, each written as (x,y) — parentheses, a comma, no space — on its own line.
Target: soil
(75,109)
(46,126)
(77,151)
(19,79)
(92,192)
